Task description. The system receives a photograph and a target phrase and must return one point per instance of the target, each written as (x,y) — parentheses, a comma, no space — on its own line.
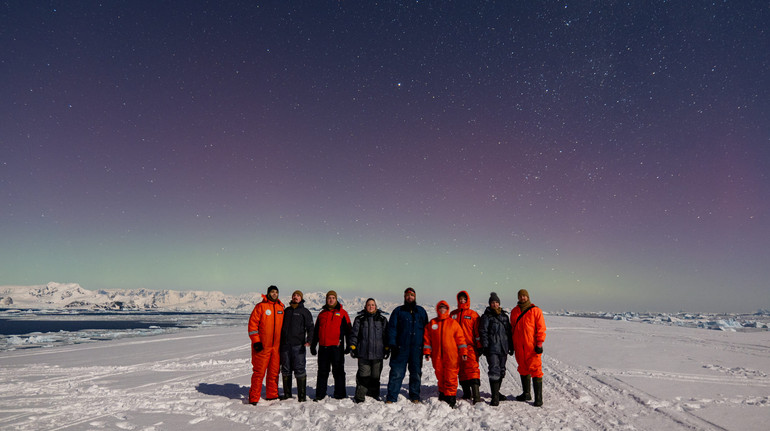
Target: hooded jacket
(444,340)
(369,335)
(468,320)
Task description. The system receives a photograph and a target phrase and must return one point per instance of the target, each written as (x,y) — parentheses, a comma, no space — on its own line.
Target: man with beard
(332,330)
(296,335)
(528,336)
(405,336)
(265,325)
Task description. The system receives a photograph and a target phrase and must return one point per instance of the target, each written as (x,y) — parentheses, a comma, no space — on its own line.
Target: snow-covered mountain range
(72,296)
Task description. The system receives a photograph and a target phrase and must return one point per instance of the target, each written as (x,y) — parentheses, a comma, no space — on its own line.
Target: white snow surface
(600,374)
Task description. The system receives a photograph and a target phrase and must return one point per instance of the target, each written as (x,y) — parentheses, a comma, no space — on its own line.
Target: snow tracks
(599,375)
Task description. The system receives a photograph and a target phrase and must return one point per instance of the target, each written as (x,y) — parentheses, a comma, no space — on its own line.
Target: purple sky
(600,154)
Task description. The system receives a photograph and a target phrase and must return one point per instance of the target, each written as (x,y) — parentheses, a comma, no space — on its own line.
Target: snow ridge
(55,295)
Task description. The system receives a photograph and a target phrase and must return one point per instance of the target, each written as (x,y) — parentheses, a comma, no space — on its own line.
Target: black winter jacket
(297,325)
(495,332)
(369,335)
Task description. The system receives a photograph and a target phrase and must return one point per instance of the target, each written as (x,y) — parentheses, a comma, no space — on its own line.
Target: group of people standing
(452,341)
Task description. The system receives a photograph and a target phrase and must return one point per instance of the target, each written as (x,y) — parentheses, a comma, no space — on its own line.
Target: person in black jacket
(367,343)
(496,343)
(296,335)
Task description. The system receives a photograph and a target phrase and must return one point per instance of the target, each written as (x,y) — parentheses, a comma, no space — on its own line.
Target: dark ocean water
(21,327)
(30,322)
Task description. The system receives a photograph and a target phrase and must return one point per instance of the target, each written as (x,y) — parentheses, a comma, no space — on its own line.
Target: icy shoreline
(600,374)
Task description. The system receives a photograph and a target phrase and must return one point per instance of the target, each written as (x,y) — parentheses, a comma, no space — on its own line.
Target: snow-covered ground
(601,374)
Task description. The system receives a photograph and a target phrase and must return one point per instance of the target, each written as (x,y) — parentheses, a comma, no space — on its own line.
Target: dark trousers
(331,357)
(368,378)
(406,359)
(496,363)
(293,360)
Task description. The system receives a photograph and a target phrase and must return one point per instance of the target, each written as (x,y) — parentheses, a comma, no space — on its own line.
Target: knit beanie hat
(271,288)
(331,293)
(298,292)
(523,292)
(409,289)
(494,298)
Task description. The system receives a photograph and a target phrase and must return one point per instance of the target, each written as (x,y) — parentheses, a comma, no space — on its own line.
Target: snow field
(599,375)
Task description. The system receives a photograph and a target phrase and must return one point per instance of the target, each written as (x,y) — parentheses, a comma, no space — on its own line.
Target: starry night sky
(601,154)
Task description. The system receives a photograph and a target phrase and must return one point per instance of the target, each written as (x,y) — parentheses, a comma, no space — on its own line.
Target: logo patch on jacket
(467,317)
(279,312)
(435,326)
(268,312)
(337,314)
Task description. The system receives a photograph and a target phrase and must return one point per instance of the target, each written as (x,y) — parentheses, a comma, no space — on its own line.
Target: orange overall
(445,343)
(265,327)
(469,322)
(528,332)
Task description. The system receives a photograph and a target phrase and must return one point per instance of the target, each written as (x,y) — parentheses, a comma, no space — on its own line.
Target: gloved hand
(258,346)
(479,351)
(352,350)
(387,353)
(539,348)
(313,350)
(510,352)
(427,357)
(346,351)
(485,351)
(394,350)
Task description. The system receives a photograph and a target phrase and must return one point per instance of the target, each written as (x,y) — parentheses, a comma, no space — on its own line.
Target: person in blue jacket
(405,340)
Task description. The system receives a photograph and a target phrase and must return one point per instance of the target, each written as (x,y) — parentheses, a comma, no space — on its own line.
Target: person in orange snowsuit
(528,328)
(470,377)
(444,345)
(265,325)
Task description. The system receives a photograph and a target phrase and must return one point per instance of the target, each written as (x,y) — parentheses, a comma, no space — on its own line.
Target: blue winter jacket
(406,327)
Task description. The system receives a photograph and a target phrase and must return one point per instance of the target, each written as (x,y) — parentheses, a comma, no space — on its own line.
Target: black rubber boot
(494,385)
(525,395)
(373,389)
(475,395)
(361,389)
(466,389)
(451,400)
(286,388)
(302,389)
(537,385)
